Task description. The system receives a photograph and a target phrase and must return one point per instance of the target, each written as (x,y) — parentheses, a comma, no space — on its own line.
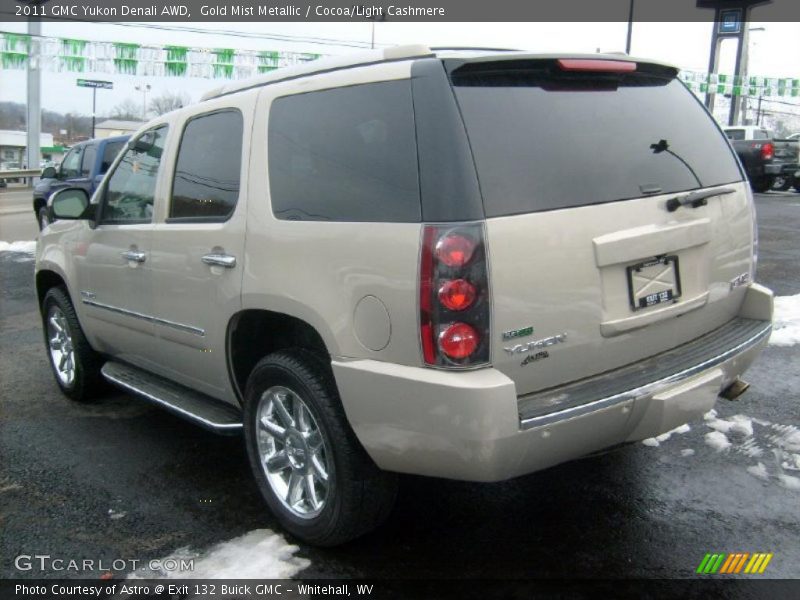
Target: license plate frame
(669,292)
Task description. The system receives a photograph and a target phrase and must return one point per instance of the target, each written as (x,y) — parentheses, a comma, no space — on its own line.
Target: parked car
(83,166)
(381,265)
(10,166)
(770,163)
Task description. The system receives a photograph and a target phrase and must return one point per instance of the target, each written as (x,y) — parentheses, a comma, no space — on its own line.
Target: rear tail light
(453,301)
(457,294)
(767,151)
(458,341)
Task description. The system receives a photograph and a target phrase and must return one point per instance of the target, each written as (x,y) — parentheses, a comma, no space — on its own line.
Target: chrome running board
(208,412)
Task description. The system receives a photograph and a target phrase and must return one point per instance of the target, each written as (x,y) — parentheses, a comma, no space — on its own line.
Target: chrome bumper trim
(648,389)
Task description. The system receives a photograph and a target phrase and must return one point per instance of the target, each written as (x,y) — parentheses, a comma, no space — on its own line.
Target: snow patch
(759,471)
(712,414)
(23,247)
(737,424)
(718,441)
(789,482)
(786,321)
(116,515)
(259,554)
(687,452)
(658,440)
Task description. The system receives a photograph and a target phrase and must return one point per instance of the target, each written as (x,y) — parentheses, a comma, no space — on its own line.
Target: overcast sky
(773,52)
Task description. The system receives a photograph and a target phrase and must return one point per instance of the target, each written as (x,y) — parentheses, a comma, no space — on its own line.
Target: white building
(14,143)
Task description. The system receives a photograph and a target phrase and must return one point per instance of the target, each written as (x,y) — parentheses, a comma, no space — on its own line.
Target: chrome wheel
(62,352)
(292,452)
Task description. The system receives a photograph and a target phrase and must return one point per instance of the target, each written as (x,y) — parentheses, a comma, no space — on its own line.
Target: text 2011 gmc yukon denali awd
(460,264)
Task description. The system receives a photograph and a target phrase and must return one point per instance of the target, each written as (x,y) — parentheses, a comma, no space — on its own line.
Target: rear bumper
(472,425)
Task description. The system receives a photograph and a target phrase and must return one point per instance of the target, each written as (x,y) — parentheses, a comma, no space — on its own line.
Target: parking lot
(119,479)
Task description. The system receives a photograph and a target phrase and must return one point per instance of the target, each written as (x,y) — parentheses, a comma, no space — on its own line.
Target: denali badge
(517,333)
(543,343)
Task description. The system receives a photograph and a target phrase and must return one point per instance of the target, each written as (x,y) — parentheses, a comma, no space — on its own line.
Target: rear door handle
(220,260)
(134,255)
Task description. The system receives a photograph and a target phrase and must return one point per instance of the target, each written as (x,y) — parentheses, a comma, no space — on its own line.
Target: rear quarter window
(345,154)
(543,141)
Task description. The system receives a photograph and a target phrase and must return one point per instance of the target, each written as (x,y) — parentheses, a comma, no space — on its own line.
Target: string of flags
(84,56)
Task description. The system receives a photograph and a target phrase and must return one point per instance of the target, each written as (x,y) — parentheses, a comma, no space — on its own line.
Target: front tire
(76,366)
(311,470)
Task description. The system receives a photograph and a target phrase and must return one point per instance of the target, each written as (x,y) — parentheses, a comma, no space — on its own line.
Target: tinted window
(131,187)
(760,134)
(71,165)
(735,134)
(110,152)
(347,154)
(89,158)
(544,140)
(206,183)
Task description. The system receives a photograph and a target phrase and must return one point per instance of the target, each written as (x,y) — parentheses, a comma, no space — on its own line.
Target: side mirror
(49,173)
(71,204)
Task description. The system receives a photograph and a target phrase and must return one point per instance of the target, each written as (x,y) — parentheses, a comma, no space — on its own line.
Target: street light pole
(144,88)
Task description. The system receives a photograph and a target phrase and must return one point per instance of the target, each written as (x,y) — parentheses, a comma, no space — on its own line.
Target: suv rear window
(543,139)
(346,154)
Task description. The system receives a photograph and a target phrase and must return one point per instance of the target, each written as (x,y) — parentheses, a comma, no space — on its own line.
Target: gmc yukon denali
(384,264)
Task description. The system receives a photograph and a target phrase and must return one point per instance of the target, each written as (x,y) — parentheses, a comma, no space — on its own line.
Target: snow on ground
(786,322)
(687,452)
(259,554)
(658,440)
(717,440)
(26,247)
(20,251)
(782,442)
(759,471)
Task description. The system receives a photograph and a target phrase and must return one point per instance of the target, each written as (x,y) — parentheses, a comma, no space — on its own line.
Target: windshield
(546,140)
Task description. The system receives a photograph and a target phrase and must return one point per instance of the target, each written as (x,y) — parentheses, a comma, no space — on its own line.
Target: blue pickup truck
(83,166)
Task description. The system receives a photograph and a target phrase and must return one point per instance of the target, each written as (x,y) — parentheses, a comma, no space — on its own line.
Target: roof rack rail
(335,63)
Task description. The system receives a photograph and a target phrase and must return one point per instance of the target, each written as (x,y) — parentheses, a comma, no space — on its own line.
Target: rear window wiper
(696,199)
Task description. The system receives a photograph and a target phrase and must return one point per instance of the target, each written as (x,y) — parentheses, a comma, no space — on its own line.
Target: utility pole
(34,112)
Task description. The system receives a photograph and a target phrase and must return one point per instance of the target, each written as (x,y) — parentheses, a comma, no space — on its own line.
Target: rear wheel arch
(253,334)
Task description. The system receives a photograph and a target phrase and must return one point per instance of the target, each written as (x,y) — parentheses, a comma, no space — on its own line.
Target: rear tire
(782,183)
(761,184)
(311,470)
(76,366)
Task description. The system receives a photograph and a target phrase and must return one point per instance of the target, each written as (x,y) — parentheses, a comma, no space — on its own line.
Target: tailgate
(592,266)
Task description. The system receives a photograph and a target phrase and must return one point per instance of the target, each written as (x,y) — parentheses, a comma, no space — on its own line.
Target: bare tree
(127,110)
(168,102)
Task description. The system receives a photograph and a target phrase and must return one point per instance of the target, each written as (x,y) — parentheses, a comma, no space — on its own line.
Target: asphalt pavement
(121,479)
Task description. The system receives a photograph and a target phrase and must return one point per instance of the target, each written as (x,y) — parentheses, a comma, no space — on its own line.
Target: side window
(89,158)
(346,154)
(109,154)
(130,189)
(71,165)
(206,181)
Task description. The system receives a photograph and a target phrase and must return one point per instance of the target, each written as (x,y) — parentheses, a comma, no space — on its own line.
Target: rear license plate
(653,282)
